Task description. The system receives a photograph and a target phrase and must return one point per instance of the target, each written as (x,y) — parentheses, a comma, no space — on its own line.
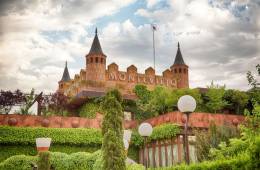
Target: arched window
(175,70)
(179,70)
(96,59)
(101,60)
(91,60)
(184,70)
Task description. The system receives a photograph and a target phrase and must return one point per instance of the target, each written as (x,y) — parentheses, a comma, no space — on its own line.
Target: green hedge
(61,161)
(68,136)
(7,151)
(21,140)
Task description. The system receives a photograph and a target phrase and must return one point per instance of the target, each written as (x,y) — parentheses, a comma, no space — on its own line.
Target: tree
(112,130)
(8,99)
(236,100)
(252,81)
(28,103)
(215,98)
(57,104)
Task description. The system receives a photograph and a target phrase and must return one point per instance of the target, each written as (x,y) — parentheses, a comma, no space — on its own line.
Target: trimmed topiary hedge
(21,140)
(61,161)
(68,136)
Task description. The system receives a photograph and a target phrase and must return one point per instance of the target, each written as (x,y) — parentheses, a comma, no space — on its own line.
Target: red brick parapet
(197,120)
(50,121)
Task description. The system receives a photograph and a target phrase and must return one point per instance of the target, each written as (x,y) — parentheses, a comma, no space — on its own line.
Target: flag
(154,27)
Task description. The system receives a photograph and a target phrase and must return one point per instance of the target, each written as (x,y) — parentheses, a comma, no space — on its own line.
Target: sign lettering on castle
(141,78)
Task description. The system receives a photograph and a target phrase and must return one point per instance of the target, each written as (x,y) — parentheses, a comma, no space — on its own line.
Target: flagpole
(153,49)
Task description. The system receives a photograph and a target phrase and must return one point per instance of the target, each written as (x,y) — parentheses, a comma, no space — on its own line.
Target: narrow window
(179,70)
(91,60)
(96,59)
(101,60)
(175,70)
(184,70)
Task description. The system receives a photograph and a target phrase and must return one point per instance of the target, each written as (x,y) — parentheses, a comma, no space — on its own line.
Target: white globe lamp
(145,129)
(186,104)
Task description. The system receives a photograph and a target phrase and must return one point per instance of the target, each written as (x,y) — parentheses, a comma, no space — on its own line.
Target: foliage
(252,81)
(238,163)
(89,110)
(135,167)
(7,151)
(18,162)
(112,130)
(236,100)
(68,136)
(160,100)
(163,131)
(60,161)
(57,104)
(29,99)
(43,162)
(8,99)
(215,98)
(205,140)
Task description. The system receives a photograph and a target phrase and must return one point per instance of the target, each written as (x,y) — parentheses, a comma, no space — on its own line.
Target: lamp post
(126,139)
(43,144)
(145,130)
(186,104)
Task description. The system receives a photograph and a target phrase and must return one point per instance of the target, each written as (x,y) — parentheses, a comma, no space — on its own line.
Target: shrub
(89,110)
(18,162)
(135,167)
(112,129)
(68,136)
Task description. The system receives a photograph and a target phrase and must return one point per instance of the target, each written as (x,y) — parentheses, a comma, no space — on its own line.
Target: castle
(95,79)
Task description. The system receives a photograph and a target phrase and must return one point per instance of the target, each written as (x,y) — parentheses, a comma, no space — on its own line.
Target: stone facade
(95,77)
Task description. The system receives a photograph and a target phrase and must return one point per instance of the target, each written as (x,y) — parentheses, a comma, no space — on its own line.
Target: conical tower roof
(66,75)
(178,59)
(96,47)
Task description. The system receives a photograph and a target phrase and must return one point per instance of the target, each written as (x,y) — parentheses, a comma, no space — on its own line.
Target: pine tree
(112,130)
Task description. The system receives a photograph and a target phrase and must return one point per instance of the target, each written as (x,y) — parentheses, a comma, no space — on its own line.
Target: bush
(18,162)
(68,136)
(238,163)
(89,110)
(135,167)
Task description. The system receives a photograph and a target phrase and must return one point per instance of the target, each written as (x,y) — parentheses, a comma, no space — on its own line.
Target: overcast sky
(220,40)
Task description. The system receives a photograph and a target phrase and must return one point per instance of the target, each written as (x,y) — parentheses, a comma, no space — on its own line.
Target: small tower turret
(180,70)
(96,61)
(64,80)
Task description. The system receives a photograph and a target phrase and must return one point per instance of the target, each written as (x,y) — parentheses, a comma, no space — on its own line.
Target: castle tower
(180,70)
(64,80)
(95,61)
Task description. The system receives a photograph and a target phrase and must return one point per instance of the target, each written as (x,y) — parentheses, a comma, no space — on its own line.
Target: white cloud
(216,44)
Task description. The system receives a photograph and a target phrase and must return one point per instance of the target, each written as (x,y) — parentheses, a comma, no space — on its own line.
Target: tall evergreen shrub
(112,130)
